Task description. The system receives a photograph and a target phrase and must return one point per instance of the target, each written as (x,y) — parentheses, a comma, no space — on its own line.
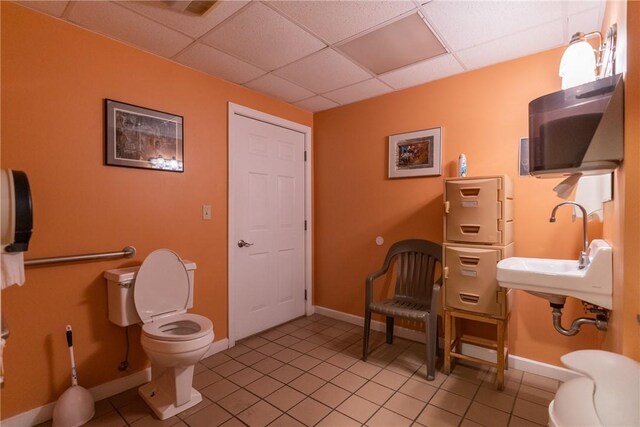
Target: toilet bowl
(158,294)
(607,395)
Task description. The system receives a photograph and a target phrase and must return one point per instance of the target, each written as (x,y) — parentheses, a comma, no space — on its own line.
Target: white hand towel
(592,191)
(12,269)
(566,187)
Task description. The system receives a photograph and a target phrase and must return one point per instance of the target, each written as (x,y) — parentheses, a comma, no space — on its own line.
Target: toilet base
(162,403)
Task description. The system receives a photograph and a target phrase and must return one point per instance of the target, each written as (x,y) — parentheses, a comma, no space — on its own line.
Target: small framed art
(416,153)
(139,137)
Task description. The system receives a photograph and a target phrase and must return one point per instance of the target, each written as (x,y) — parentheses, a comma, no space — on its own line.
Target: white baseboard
(541,368)
(45,413)
(217,347)
(376,325)
(32,417)
(516,362)
(102,391)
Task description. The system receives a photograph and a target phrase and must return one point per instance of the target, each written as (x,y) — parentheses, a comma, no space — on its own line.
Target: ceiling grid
(321,54)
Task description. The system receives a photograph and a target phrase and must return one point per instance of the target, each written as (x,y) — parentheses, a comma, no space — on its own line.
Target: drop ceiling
(323,54)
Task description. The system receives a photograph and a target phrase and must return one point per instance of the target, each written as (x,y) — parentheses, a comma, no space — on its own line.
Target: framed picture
(138,137)
(416,153)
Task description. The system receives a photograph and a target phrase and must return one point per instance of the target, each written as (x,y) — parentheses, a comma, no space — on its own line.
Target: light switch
(206,212)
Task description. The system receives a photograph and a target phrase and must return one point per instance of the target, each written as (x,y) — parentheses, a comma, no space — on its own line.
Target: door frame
(239,110)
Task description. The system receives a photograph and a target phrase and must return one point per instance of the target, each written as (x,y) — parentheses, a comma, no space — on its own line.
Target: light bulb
(578,65)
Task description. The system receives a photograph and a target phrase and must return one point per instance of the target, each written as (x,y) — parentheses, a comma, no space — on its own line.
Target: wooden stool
(453,341)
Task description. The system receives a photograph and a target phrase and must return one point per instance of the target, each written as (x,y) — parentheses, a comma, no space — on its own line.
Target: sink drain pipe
(600,321)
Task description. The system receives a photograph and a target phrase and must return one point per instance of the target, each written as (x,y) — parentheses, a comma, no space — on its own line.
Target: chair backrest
(416,265)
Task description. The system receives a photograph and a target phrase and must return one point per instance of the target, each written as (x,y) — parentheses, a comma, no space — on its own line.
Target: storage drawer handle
(470,229)
(469,298)
(468,273)
(470,192)
(469,260)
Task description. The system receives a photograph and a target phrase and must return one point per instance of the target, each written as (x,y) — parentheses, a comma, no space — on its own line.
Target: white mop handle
(74,376)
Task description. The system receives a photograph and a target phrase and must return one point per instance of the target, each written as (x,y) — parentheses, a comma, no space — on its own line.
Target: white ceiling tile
(404,41)
(423,72)
(219,64)
(337,20)
(242,40)
(263,37)
(463,24)
(280,88)
(324,71)
(358,91)
(576,6)
(55,8)
(190,24)
(122,24)
(317,103)
(584,22)
(528,42)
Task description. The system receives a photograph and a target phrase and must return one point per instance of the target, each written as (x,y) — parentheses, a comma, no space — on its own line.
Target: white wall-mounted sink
(555,279)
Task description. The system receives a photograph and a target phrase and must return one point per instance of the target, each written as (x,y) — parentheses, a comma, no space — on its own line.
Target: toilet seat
(178,327)
(606,395)
(161,286)
(161,296)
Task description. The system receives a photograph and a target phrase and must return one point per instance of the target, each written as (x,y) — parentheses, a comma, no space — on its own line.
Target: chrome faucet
(584,257)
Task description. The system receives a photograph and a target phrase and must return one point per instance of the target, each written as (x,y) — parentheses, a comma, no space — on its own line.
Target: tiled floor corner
(308,372)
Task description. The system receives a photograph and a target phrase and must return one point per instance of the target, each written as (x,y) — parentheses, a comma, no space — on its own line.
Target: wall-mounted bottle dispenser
(580,129)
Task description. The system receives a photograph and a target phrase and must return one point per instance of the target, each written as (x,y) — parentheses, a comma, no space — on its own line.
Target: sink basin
(556,279)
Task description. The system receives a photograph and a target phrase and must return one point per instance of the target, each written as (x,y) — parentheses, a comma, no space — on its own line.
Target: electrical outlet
(206,212)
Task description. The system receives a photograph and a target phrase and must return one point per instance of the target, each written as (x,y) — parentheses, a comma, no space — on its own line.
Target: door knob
(243,244)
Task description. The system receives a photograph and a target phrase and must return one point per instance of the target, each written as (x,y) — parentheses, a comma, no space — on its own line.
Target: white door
(267,238)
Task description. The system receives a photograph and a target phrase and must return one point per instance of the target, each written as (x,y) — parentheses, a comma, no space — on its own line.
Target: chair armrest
(375,275)
(435,295)
(369,283)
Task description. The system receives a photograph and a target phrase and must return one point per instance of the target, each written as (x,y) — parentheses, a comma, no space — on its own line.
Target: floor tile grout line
(344,344)
(351,393)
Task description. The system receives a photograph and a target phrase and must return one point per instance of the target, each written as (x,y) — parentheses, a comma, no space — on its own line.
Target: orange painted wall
(483,113)
(54,79)
(624,231)
(52,127)
(631,310)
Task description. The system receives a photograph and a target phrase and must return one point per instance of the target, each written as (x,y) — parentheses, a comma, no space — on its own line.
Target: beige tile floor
(308,372)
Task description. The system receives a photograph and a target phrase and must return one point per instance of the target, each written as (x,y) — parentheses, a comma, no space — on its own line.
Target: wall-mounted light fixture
(581,63)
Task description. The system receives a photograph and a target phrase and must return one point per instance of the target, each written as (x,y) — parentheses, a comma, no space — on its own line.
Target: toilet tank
(120,284)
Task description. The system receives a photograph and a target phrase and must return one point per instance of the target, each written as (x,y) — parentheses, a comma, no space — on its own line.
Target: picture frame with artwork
(139,137)
(417,153)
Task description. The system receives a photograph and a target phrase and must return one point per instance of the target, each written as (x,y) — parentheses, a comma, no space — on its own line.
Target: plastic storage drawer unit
(470,274)
(479,210)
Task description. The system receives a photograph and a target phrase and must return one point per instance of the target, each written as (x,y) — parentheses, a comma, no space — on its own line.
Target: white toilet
(607,395)
(158,294)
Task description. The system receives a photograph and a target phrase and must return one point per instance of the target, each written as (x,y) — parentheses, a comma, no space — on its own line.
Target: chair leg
(431,335)
(449,330)
(437,336)
(365,340)
(390,329)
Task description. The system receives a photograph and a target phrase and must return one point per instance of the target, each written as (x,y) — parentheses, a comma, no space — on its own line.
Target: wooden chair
(415,295)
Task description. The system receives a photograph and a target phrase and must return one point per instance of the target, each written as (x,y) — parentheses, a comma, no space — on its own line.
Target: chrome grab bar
(127,252)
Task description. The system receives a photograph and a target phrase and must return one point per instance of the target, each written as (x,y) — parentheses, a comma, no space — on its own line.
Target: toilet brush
(75,406)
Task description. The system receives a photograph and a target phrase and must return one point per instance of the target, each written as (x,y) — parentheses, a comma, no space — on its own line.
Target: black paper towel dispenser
(17,211)
(580,129)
